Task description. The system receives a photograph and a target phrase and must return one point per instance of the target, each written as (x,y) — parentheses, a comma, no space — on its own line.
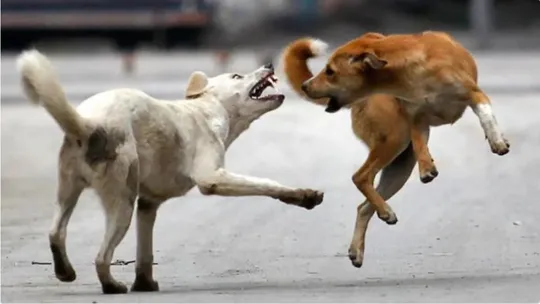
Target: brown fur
(432,75)
(396,87)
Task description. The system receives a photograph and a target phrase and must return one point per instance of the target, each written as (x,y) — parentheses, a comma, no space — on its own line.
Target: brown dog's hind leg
(393,178)
(481,106)
(146,217)
(70,188)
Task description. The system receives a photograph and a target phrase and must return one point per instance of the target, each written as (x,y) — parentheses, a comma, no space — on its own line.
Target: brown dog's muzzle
(333,104)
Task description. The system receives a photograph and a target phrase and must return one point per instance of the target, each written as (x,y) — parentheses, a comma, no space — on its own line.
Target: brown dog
(433,79)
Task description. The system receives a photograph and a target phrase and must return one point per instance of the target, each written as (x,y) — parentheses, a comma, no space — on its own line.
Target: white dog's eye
(237,76)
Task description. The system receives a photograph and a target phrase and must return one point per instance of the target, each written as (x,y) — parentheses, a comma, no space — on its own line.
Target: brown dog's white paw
(500,147)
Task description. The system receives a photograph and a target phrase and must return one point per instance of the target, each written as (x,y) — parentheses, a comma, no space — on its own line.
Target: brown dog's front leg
(363,179)
(426,166)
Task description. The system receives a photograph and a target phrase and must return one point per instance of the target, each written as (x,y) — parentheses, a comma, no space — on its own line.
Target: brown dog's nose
(304,87)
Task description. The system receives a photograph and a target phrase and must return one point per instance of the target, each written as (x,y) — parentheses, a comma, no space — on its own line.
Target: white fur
(487,119)
(30,62)
(318,47)
(150,148)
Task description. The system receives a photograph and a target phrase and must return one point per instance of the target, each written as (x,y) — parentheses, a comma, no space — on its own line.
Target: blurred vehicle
(127,22)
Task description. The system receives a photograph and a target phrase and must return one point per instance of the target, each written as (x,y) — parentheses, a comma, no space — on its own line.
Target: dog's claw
(500,148)
(356,256)
(388,217)
(311,199)
(430,175)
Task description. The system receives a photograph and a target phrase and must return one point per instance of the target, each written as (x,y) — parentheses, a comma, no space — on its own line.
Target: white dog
(125,144)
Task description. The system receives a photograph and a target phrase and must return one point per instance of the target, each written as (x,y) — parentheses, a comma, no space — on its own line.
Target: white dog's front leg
(224,183)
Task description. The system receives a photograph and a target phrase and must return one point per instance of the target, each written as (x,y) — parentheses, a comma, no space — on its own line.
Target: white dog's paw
(306,198)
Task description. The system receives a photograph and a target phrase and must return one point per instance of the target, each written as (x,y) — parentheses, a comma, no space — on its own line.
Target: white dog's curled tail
(41,86)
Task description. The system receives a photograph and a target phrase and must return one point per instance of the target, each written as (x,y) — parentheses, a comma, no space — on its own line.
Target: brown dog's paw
(388,216)
(507,142)
(500,147)
(356,255)
(305,198)
(429,174)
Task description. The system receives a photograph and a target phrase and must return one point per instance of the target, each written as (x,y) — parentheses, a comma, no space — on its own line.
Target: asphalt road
(470,236)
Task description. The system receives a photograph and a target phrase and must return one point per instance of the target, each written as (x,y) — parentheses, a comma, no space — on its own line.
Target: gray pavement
(470,236)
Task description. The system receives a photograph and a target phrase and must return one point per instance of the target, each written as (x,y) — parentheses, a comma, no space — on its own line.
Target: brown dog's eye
(237,76)
(329,71)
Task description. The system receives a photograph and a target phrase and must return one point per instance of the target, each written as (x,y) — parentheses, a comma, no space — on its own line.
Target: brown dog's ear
(196,84)
(370,59)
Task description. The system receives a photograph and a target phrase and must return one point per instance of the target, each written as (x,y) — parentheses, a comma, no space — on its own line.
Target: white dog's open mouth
(269,80)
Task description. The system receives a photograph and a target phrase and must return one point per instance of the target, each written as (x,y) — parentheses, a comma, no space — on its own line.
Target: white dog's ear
(196,84)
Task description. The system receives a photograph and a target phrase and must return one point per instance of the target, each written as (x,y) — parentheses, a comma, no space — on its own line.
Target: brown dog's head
(348,75)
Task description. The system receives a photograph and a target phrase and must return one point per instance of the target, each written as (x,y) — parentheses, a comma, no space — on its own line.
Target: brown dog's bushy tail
(41,86)
(295,59)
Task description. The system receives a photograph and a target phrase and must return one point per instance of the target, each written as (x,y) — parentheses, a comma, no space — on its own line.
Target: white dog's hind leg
(117,191)
(119,211)
(146,217)
(70,188)
(222,182)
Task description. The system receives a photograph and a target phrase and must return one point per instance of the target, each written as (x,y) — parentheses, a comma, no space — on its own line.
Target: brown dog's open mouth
(333,105)
(258,89)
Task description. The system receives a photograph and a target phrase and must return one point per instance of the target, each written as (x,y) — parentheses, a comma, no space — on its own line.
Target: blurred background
(262,26)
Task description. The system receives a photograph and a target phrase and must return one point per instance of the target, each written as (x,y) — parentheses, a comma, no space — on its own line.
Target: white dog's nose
(269,66)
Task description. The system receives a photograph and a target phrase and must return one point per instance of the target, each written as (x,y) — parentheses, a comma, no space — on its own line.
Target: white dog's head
(241,95)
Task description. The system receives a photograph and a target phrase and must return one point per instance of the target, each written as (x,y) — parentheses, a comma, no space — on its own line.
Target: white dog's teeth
(272,82)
